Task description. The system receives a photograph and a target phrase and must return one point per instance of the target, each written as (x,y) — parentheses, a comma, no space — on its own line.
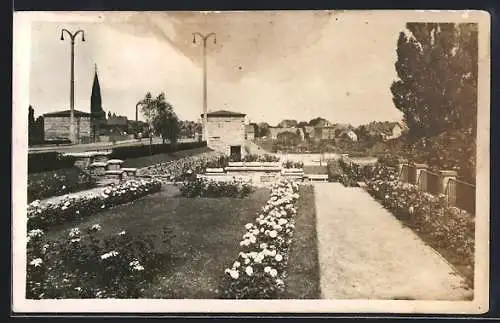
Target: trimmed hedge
(147,150)
(48,161)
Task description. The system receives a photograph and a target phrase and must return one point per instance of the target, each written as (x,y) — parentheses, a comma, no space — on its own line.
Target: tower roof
(95,96)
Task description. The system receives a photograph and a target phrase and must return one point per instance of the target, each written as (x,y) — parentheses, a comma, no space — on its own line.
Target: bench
(114,164)
(235,164)
(317,177)
(292,171)
(250,169)
(114,173)
(214,170)
(97,168)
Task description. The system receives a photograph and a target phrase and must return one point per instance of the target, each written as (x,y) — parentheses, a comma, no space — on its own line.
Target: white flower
(411,210)
(35,233)
(122,233)
(37,262)
(267,269)
(236,264)
(247,261)
(273,272)
(234,274)
(249,270)
(263,245)
(278,257)
(248,226)
(280,282)
(95,227)
(74,240)
(73,233)
(79,289)
(273,234)
(109,254)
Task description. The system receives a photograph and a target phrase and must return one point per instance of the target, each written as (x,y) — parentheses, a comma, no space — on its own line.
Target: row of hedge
(53,160)
(145,150)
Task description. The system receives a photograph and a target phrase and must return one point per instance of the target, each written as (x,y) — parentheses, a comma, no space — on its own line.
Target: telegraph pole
(204,39)
(72,81)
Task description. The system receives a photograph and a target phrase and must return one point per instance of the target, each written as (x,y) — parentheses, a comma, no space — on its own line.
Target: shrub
(90,265)
(185,168)
(219,162)
(210,188)
(446,228)
(260,269)
(128,152)
(335,173)
(43,216)
(293,164)
(48,161)
(59,182)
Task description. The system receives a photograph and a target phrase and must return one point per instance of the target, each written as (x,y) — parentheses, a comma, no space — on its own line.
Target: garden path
(366,253)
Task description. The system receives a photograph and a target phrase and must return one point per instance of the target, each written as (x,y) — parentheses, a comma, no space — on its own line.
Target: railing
(461,195)
(429,182)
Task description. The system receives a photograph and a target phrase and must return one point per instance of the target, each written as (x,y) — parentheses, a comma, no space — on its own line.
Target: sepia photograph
(322,161)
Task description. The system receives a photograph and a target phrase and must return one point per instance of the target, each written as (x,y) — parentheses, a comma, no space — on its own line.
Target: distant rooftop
(66,113)
(224,113)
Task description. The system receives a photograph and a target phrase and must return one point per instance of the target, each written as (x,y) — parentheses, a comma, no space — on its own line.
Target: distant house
(249,132)
(226,132)
(117,123)
(56,125)
(324,133)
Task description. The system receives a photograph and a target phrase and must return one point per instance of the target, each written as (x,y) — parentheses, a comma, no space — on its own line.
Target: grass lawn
(199,237)
(303,274)
(310,169)
(161,158)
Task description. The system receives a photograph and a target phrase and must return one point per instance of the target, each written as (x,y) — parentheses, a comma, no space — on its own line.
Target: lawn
(310,169)
(198,237)
(161,158)
(303,273)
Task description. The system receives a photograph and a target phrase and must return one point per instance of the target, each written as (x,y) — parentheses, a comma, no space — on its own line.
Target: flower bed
(209,188)
(260,270)
(293,164)
(87,265)
(59,182)
(183,169)
(43,216)
(447,229)
(260,158)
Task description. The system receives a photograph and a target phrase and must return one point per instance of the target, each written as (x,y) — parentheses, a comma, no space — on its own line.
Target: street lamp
(137,119)
(204,41)
(72,82)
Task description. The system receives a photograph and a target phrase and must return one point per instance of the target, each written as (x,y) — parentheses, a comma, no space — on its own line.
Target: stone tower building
(97,113)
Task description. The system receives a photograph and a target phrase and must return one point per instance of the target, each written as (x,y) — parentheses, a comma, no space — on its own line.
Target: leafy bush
(43,216)
(146,150)
(185,168)
(59,182)
(210,188)
(90,265)
(220,162)
(48,161)
(446,228)
(260,158)
(260,269)
(293,164)
(335,173)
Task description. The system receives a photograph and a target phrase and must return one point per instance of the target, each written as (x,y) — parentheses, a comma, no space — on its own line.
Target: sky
(270,65)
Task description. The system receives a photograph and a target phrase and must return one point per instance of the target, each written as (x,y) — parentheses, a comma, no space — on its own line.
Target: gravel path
(366,253)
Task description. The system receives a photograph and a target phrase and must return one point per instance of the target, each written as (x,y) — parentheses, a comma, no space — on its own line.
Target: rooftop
(66,113)
(224,113)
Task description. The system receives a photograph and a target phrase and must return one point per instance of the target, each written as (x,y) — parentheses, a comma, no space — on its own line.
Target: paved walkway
(366,253)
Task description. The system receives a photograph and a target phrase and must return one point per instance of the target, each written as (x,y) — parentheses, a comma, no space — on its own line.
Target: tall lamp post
(72,82)
(204,39)
(137,119)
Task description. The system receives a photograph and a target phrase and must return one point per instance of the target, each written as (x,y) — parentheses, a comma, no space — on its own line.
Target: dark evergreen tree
(437,86)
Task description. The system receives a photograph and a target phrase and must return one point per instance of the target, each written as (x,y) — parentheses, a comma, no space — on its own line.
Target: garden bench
(271,164)
(292,171)
(253,164)
(129,171)
(214,170)
(114,164)
(97,168)
(235,164)
(318,177)
(114,173)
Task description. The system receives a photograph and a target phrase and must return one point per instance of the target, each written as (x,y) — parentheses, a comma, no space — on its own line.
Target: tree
(318,122)
(262,130)
(161,117)
(437,70)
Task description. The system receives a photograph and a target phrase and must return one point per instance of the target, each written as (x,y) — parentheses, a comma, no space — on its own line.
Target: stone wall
(224,132)
(58,127)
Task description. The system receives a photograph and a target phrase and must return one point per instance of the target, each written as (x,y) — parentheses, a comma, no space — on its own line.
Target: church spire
(95,97)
